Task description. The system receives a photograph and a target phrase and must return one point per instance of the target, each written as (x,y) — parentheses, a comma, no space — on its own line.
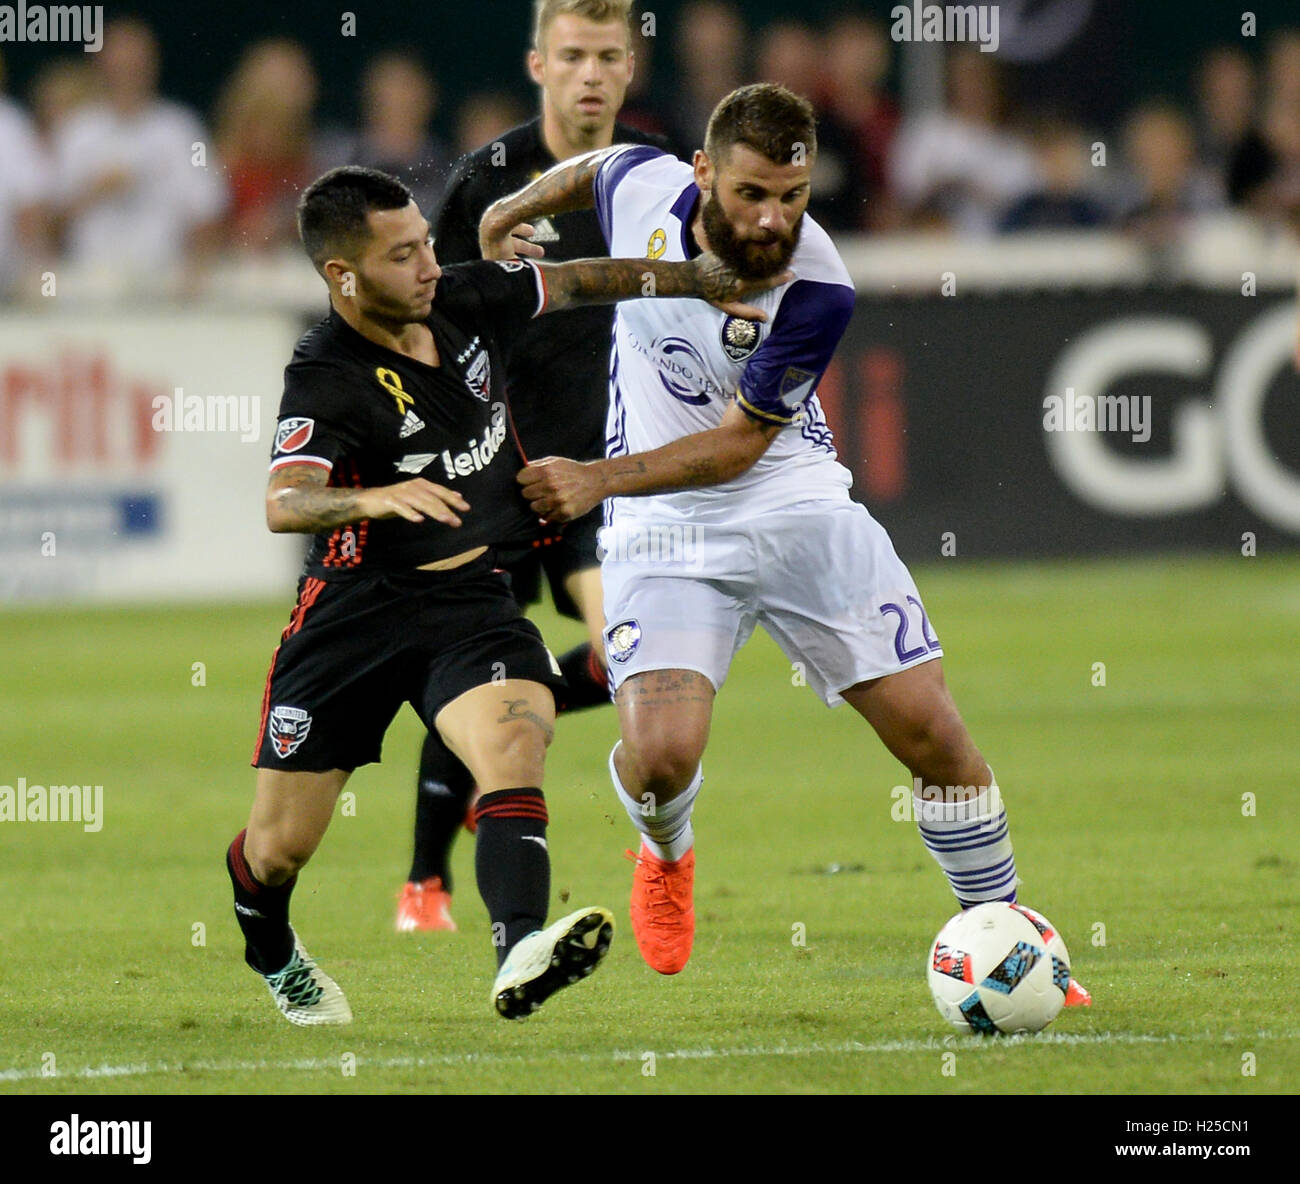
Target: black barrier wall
(1039,424)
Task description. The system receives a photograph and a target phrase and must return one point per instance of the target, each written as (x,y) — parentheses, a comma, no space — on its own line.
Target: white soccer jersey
(677,364)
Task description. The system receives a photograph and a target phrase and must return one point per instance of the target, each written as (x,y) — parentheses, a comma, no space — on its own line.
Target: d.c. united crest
(289,728)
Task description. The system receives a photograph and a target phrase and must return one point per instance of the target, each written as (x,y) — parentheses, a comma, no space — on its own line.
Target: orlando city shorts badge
(289,728)
(622,639)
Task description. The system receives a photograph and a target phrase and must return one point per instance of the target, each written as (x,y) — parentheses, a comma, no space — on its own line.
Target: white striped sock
(971,842)
(667,829)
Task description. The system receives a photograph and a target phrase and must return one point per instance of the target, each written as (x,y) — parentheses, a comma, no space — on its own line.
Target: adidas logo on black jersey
(544,231)
(410,425)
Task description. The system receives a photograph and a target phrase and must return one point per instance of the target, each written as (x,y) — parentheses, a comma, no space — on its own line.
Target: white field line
(616,1056)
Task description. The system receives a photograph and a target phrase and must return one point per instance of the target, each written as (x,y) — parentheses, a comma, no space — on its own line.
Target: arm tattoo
(701,470)
(605,281)
(519,709)
(307,503)
(711,457)
(568,186)
(716,280)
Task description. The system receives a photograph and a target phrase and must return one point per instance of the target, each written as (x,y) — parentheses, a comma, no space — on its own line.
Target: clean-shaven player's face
(753,209)
(584,70)
(396,271)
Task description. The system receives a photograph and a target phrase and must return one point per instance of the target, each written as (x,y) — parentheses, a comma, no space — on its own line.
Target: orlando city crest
(622,639)
(739,338)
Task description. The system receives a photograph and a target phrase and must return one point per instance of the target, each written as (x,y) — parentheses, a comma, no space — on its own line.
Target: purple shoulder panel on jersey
(785,371)
(610,175)
(682,209)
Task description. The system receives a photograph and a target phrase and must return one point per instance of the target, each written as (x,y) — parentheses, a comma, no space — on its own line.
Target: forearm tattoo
(568,186)
(302,493)
(605,281)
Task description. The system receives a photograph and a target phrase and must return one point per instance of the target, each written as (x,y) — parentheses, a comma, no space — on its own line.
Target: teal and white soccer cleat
(549,959)
(305,994)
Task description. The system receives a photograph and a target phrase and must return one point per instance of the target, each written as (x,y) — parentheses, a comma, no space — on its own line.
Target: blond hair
(599,11)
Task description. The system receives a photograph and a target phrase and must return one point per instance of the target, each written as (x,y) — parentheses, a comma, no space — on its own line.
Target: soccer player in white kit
(728,508)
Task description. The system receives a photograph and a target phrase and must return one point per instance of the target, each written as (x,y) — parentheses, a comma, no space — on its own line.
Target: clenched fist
(560,490)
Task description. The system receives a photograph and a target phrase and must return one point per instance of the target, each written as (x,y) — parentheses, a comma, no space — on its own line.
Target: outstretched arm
(505,232)
(570,185)
(560,490)
(605,281)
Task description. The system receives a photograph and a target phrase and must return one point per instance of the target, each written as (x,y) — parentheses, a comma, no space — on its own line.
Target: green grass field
(122,965)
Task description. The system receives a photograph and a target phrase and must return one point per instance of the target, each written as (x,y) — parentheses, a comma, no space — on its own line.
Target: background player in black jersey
(400,600)
(557,376)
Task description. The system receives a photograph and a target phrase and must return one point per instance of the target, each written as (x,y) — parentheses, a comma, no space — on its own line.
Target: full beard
(748,259)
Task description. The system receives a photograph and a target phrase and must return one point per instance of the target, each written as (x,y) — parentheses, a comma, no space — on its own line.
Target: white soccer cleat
(549,959)
(305,994)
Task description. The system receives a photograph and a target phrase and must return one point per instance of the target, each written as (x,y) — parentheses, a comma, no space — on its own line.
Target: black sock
(262,913)
(588,685)
(513,868)
(444,788)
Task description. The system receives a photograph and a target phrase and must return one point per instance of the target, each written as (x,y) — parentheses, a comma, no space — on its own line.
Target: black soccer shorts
(557,551)
(355,650)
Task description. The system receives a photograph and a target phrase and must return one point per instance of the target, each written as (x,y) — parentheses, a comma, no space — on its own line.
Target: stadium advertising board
(133,455)
(1062,424)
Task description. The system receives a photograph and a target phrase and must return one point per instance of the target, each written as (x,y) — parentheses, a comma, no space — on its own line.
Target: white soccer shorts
(821,577)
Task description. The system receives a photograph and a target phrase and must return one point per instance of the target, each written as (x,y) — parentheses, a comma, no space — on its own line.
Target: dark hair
(766,117)
(1252,164)
(332,211)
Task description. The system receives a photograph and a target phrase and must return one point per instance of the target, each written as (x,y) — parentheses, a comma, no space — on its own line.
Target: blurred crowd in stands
(100,171)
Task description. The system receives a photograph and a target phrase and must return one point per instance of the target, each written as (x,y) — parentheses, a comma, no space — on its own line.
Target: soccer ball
(999,967)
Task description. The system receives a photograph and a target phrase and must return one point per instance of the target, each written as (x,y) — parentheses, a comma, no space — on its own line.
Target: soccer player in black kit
(557,379)
(393,450)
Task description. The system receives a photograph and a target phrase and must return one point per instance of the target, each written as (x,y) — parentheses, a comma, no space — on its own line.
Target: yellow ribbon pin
(391,381)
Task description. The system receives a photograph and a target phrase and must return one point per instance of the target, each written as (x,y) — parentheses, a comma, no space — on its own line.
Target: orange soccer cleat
(424,906)
(1076,995)
(663,910)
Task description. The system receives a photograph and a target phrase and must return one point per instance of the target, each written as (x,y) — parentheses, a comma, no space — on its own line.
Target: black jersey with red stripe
(373,417)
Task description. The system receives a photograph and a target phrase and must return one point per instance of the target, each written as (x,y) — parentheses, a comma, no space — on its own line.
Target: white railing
(1218,252)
